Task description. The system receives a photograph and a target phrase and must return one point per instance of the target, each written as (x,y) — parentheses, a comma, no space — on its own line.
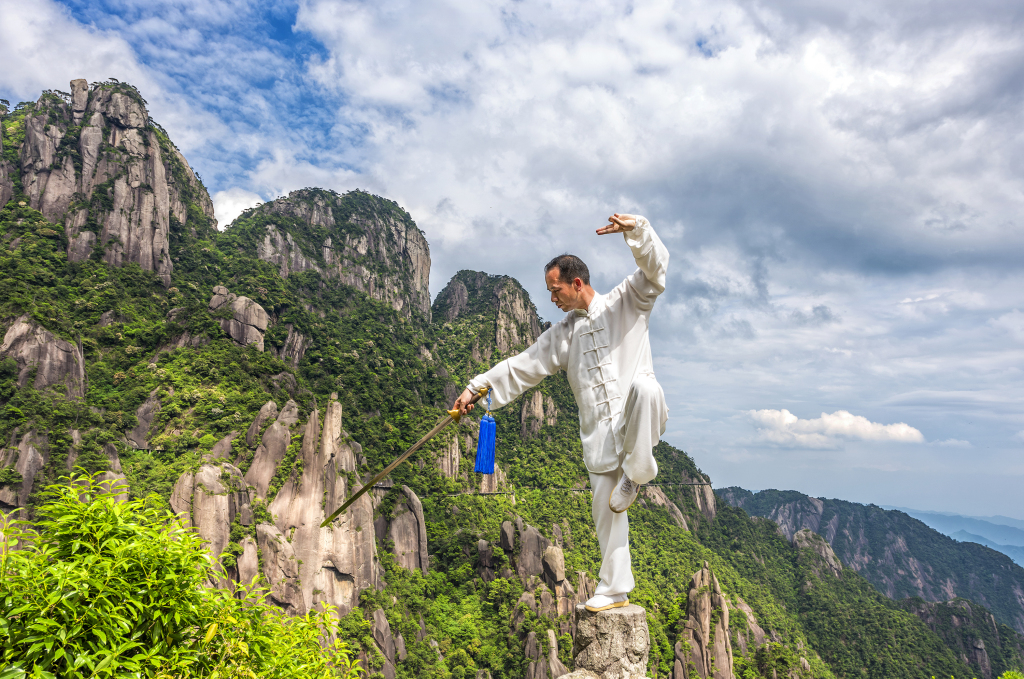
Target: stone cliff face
(898,554)
(94,160)
(357,239)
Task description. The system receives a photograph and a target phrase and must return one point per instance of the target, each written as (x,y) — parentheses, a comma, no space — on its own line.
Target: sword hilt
(457,416)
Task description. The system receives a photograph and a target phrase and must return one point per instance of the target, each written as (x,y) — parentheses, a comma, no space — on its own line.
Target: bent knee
(645,388)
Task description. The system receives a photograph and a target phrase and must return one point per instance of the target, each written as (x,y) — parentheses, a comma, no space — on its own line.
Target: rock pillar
(612,644)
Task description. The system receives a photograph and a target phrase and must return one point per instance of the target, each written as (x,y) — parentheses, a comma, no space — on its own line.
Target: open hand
(617,224)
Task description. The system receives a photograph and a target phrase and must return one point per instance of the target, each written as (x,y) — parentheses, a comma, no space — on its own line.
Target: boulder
(612,644)
(407,530)
(554,565)
(531,552)
(507,540)
(248,562)
(209,501)
(56,361)
(248,321)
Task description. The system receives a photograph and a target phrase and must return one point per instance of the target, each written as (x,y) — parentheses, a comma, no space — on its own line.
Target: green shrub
(103,588)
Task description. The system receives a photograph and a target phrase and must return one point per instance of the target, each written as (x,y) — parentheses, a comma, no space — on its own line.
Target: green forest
(98,576)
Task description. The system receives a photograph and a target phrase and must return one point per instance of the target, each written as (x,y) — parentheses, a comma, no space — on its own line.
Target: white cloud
(954,443)
(229,203)
(783,428)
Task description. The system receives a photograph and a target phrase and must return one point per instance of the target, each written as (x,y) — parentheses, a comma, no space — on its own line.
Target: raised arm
(511,377)
(650,254)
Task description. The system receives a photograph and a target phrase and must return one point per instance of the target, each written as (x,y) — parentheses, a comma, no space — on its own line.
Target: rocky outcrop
(338,561)
(538,410)
(407,531)
(54,360)
(754,636)
(474,292)
(655,495)
(209,500)
(704,647)
(541,666)
(294,347)
(145,414)
(128,184)
(26,459)
(248,320)
(367,242)
(271,449)
(6,185)
(612,644)
(828,561)
(267,413)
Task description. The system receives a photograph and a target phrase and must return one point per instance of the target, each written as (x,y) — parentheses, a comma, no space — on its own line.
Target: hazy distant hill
(997,529)
(1013,551)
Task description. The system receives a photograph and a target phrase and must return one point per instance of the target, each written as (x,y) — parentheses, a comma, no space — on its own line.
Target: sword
(452,416)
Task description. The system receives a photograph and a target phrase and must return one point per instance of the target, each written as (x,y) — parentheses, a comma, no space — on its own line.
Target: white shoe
(604,602)
(623,495)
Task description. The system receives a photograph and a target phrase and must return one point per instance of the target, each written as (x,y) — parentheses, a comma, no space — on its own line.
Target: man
(602,344)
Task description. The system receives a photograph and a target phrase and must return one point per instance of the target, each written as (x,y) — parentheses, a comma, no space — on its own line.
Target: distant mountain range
(1000,533)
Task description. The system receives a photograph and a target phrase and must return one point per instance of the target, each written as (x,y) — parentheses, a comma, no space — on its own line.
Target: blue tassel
(485,445)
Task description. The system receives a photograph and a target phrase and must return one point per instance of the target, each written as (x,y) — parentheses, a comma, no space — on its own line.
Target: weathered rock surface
(612,644)
(407,530)
(56,361)
(705,647)
(272,449)
(144,182)
(360,235)
(249,320)
(209,501)
(338,561)
(531,552)
(830,563)
(267,413)
(27,459)
(294,347)
(145,414)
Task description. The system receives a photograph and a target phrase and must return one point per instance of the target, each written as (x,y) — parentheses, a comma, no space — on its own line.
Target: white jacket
(602,349)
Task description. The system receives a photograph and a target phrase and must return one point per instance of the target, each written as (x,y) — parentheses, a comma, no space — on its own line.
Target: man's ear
(577,284)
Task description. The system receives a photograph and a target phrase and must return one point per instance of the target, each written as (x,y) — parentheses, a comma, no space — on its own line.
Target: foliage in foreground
(102,588)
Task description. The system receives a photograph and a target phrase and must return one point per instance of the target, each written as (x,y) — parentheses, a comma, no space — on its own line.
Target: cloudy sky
(839,183)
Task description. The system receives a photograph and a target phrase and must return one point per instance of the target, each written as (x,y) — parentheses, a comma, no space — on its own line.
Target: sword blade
(387,470)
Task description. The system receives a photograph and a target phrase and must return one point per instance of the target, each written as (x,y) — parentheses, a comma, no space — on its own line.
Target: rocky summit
(246,381)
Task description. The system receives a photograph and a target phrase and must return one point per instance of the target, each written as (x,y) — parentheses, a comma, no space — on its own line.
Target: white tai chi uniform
(606,353)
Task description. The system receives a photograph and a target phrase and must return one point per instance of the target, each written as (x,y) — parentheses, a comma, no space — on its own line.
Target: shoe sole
(618,604)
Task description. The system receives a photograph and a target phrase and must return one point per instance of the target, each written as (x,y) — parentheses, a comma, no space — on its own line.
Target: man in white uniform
(602,344)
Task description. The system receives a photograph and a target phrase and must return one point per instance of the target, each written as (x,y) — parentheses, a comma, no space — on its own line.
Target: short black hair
(570,267)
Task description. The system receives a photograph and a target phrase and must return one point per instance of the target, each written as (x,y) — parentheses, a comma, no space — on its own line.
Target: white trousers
(643,420)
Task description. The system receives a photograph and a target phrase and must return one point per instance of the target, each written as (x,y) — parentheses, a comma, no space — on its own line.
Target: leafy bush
(102,588)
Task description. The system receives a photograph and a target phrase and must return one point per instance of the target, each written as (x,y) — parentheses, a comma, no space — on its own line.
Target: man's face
(566,296)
